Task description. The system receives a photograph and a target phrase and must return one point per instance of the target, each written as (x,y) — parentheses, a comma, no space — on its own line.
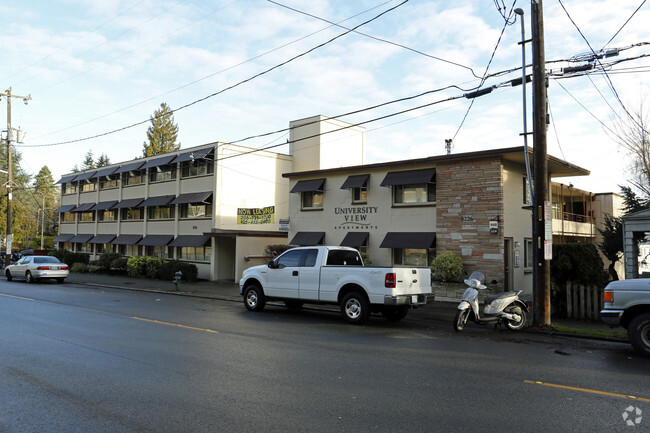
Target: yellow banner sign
(265,215)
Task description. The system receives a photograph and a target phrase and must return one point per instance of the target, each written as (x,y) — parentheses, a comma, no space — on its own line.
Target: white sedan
(34,268)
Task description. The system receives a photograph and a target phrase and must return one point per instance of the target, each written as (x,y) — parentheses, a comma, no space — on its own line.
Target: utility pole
(9,236)
(542,231)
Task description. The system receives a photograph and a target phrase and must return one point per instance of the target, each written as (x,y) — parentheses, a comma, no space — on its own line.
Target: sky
(233,69)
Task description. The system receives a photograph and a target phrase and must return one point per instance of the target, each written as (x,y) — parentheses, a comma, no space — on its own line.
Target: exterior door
(507,264)
(284,280)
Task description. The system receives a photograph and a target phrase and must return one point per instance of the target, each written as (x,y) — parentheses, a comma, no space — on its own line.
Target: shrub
(168,269)
(367,261)
(275,250)
(105,260)
(579,263)
(447,267)
(119,264)
(79,268)
(70,258)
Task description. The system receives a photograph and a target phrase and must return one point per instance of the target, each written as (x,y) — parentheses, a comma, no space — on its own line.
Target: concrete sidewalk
(443,310)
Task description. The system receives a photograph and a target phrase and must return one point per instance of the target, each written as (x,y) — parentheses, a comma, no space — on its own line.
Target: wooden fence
(583,302)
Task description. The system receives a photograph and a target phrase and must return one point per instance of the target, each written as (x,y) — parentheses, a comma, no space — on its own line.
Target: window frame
(398,257)
(528,250)
(168,171)
(430,192)
(134,177)
(128,213)
(183,211)
(315,204)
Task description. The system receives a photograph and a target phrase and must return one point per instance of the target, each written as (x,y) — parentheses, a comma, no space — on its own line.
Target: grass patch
(600,333)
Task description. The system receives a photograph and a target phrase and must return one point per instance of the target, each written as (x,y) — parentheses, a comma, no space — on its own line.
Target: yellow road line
(17,297)
(175,324)
(593,391)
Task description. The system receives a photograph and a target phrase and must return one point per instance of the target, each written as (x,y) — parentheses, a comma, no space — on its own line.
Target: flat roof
(556,166)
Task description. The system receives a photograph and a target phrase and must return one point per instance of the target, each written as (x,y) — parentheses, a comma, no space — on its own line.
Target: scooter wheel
(460,320)
(516,326)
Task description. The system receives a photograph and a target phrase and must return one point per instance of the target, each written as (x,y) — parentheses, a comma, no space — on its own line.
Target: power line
(210,75)
(376,38)
(625,23)
(266,71)
(486,70)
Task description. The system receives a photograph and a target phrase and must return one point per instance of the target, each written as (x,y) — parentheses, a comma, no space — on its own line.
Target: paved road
(79,359)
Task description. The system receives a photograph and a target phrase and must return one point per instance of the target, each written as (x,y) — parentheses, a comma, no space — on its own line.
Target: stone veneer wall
(469,194)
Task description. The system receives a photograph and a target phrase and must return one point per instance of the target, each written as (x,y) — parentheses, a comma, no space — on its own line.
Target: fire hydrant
(177,279)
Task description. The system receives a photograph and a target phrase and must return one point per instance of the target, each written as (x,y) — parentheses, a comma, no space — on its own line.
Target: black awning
(156,240)
(126,239)
(65,208)
(66,179)
(356,181)
(354,239)
(196,154)
(409,177)
(131,202)
(157,201)
(192,197)
(307,238)
(105,205)
(158,162)
(190,241)
(106,171)
(84,176)
(83,207)
(81,239)
(129,167)
(419,240)
(102,239)
(63,237)
(308,185)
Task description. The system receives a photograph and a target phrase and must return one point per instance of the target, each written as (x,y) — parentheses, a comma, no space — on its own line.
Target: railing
(567,216)
(583,302)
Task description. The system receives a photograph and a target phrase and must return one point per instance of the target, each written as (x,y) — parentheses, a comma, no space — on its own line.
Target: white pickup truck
(336,275)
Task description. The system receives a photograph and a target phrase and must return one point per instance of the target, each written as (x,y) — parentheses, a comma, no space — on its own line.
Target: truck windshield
(343,258)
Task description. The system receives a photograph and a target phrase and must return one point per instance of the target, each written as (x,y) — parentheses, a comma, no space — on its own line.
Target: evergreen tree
(102,161)
(23,213)
(612,244)
(88,162)
(162,134)
(44,183)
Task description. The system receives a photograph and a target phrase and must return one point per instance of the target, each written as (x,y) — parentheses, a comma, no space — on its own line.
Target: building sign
(548,230)
(355,216)
(265,215)
(284,225)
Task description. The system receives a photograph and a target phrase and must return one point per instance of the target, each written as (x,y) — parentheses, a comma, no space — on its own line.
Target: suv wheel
(639,332)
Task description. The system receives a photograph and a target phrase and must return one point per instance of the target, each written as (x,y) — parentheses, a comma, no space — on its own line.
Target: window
(108,182)
(68,217)
(162,173)
(85,248)
(198,167)
(132,213)
(526,191)
(528,254)
(69,188)
(290,259)
(412,256)
(359,195)
(191,210)
(66,245)
(86,216)
(311,200)
(87,185)
(107,215)
(104,248)
(197,254)
(420,193)
(162,251)
(130,250)
(135,177)
(343,258)
(161,212)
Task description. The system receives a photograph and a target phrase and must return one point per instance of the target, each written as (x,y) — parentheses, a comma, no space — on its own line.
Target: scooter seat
(491,298)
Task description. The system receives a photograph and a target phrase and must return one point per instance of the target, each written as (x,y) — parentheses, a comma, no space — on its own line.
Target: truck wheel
(394,314)
(254,298)
(639,333)
(355,308)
